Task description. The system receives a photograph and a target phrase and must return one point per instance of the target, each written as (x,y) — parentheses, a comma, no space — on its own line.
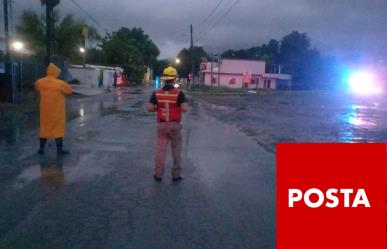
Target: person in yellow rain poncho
(52,108)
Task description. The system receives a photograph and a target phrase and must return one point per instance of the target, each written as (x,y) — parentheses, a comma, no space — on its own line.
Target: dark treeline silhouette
(294,55)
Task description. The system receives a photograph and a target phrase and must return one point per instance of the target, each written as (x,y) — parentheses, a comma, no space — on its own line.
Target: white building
(90,74)
(237,73)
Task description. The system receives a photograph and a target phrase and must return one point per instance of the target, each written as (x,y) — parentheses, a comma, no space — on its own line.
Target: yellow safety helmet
(169,73)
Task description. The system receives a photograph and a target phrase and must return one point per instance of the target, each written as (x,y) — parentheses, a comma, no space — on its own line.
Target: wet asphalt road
(103,194)
(270,117)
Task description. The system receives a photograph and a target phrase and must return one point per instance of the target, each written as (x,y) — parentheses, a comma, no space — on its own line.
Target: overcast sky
(338,27)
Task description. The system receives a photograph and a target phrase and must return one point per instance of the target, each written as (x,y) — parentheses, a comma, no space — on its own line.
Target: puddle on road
(359,123)
(359,116)
(138,104)
(15,120)
(87,136)
(136,91)
(54,172)
(49,171)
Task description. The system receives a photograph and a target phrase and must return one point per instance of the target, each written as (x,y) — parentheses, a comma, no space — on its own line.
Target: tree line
(133,50)
(293,55)
(129,48)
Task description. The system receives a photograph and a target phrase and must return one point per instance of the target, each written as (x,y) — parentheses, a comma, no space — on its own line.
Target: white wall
(108,77)
(225,79)
(86,76)
(261,85)
(89,76)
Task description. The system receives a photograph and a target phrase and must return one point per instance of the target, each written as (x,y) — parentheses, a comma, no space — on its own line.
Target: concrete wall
(259,82)
(108,77)
(230,68)
(224,80)
(86,76)
(89,76)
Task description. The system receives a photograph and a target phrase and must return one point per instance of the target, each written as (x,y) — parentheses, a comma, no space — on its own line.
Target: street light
(17,46)
(17,67)
(177,61)
(83,52)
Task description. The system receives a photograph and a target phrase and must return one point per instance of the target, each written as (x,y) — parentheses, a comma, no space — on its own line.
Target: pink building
(237,73)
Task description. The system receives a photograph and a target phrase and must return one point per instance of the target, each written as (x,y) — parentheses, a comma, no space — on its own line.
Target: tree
(130,49)
(67,34)
(96,56)
(31,29)
(307,67)
(300,60)
(159,67)
(185,66)
(267,52)
(69,38)
(250,53)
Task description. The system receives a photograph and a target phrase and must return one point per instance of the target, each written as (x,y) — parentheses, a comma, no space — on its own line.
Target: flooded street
(272,117)
(103,195)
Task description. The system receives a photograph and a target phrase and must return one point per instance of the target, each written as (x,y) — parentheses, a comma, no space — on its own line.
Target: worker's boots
(59,147)
(41,146)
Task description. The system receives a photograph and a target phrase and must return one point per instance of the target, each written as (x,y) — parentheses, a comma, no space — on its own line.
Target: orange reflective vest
(167,108)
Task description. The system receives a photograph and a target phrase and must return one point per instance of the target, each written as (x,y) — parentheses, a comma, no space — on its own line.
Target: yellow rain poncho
(52,103)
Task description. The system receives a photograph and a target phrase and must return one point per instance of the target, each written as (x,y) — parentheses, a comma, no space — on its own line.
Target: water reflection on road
(309,116)
(365,122)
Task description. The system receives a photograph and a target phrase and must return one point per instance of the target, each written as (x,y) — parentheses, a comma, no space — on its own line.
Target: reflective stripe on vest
(168,109)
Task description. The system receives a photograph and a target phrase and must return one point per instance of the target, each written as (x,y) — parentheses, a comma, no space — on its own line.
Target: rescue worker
(52,108)
(169,103)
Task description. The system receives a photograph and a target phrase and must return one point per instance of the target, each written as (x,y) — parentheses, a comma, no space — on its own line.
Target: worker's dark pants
(58,141)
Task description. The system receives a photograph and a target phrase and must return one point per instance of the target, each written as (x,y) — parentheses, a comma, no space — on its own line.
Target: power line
(183,33)
(87,14)
(210,28)
(225,14)
(212,12)
(204,28)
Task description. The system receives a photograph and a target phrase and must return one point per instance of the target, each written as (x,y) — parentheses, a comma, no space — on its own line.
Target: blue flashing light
(157,82)
(362,83)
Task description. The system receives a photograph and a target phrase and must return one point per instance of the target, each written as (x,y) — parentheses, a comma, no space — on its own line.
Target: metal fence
(26,70)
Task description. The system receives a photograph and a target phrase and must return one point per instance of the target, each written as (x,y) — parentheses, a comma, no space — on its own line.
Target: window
(231,81)
(266,84)
(213,81)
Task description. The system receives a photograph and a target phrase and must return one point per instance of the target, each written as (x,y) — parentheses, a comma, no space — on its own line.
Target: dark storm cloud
(335,26)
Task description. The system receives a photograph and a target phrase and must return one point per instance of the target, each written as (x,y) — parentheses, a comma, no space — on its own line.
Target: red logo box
(315,206)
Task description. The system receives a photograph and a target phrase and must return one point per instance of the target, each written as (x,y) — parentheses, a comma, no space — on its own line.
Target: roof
(235,59)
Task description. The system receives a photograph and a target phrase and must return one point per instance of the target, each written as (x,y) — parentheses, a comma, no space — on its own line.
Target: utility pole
(6,87)
(192,59)
(11,16)
(85,34)
(48,31)
(212,70)
(219,61)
